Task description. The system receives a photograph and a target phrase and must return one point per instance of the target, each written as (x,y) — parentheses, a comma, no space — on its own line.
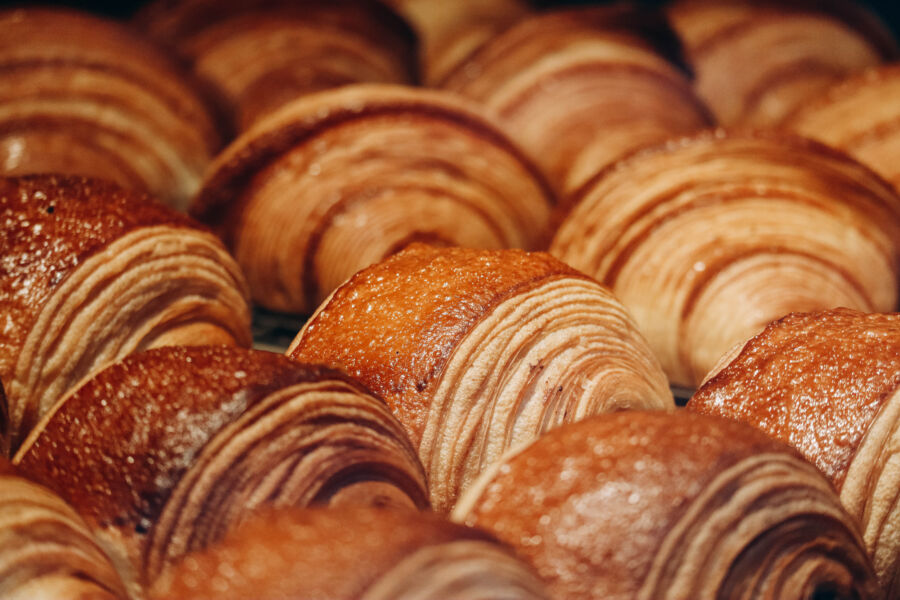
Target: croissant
(84,96)
(92,272)
(46,550)
(166,450)
(580,88)
(709,238)
(450,31)
(337,181)
(485,350)
(259,55)
(757,61)
(828,383)
(861,117)
(655,506)
(352,554)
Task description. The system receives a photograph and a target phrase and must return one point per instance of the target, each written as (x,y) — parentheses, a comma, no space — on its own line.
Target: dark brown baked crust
(476,351)
(166,450)
(46,551)
(174,281)
(656,505)
(431,297)
(813,380)
(345,554)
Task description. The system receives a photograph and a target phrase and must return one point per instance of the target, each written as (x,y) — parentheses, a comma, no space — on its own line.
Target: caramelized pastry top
(815,380)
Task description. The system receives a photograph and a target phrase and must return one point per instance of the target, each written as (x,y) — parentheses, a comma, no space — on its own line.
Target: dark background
(889,10)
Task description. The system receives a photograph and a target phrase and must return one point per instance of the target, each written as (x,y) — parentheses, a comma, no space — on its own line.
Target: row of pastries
(509,235)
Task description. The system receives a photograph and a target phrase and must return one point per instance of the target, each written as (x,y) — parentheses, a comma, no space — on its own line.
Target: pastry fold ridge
(167,450)
(758,61)
(92,272)
(581,88)
(261,54)
(670,505)
(46,550)
(352,554)
(485,350)
(709,238)
(84,96)
(827,383)
(338,180)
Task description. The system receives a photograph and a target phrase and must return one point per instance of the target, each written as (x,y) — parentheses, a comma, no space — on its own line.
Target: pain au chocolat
(757,61)
(85,96)
(165,451)
(46,550)
(580,88)
(260,54)
(90,272)
(476,350)
(709,238)
(352,554)
(828,383)
(336,181)
(861,116)
(657,506)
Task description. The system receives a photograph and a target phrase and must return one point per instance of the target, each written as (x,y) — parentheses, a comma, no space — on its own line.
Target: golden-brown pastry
(85,96)
(861,116)
(828,383)
(476,351)
(338,180)
(580,88)
(46,550)
(165,451)
(91,272)
(756,61)
(260,54)
(709,238)
(4,423)
(352,554)
(657,506)
(450,31)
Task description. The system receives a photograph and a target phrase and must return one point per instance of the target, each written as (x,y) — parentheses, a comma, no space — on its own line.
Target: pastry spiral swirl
(485,349)
(580,88)
(338,180)
(352,554)
(260,54)
(757,61)
(658,506)
(84,96)
(46,550)
(709,238)
(91,272)
(828,383)
(859,116)
(165,451)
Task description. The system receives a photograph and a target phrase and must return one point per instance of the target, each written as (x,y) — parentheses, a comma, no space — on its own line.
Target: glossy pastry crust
(659,505)
(580,88)
(46,550)
(352,554)
(165,451)
(707,239)
(827,383)
(91,272)
(337,181)
(85,96)
(756,62)
(484,349)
